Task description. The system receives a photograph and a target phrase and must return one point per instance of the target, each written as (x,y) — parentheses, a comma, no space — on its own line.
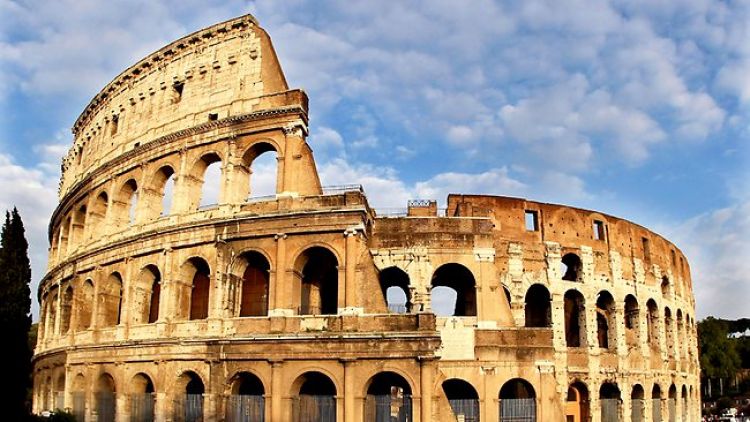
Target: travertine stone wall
(152,294)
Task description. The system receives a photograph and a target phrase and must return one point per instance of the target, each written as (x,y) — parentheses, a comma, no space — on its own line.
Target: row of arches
(167,190)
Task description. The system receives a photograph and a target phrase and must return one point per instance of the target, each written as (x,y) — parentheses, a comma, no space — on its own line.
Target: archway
(188,405)
(79,397)
(394,284)
(653,324)
(66,309)
(255,285)
(577,403)
(517,401)
(637,404)
(196,295)
(684,403)
(632,321)
(610,399)
(605,320)
(575,319)
(105,398)
(261,164)
(142,399)
(388,399)
(319,287)
(110,302)
(656,403)
(538,307)
(463,399)
(60,391)
(246,403)
(208,173)
(449,280)
(570,267)
(315,399)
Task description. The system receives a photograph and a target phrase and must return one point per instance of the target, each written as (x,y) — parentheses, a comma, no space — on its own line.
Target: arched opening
(97,215)
(77,226)
(394,284)
(632,321)
(656,403)
(147,295)
(315,400)
(665,286)
(570,267)
(160,192)
(105,398)
(637,403)
(246,403)
(84,303)
(508,296)
(575,319)
(66,307)
(60,391)
(605,320)
(208,172)
(78,396)
(63,240)
(388,399)
(517,401)
(319,286)
(110,301)
(609,398)
(198,272)
(653,324)
(577,403)
(188,406)
(51,320)
(669,332)
(672,403)
(142,398)
(261,161)
(680,337)
(684,403)
(538,307)
(463,399)
(449,281)
(255,284)
(125,204)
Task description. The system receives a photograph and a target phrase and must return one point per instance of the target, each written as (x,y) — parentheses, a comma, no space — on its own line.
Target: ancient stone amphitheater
(309,305)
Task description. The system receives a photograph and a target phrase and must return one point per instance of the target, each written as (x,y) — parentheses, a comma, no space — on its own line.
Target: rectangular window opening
(115,121)
(213,116)
(646,250)
(532,220)
(177,87)
(598,230)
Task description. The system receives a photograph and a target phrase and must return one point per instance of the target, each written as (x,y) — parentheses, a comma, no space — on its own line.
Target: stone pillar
(426,379)
(488,296)
(619,318)
(558,321)
(277,388)
(349,391)
(351,299)
(279,291)
(58,310)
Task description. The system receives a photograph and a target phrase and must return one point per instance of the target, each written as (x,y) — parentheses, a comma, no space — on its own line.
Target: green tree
(15,317)
(718,356)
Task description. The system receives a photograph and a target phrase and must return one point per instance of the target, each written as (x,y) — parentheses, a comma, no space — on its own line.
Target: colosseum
(171,296)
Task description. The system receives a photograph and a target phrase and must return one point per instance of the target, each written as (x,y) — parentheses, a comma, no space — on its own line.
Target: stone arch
(652,323)
(316,269)
(508,296)
(610,400)
(110,300)
(388,393)
(84,305)
(577,402)
(60,391)
(196,294)
(605,320)
(460,280)
(78,395)
(254,284)
(395,286)
(632,321)
(246,401)
(205,180)
(188,404)
(666,286)
(98,214)
(517,401)
(314,397)
(462,397)
(105,397)
(571,267)
(669,332)
(684,403)
(66,308)
(160,192)
(538,308)
(125,204)
(637,403)
(672,402)
(77,226)
(656,397)
(147,295)
(142,398)
(262,155)
(575,318)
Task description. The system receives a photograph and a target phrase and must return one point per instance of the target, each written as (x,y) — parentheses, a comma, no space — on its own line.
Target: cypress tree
(15,318)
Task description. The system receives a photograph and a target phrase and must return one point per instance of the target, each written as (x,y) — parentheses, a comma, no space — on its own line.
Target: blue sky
(640,109)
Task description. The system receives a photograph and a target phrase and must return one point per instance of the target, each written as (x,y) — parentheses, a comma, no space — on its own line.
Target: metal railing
(142,407)
(518,410)
(105,407)
(384,408)
(79,405)
(637,410)
(420,202)
(245,408)
(468,408)
(397,308)
(189,408)
(338,189)
(261,198)
(610,410)
(309,408)
(391,212)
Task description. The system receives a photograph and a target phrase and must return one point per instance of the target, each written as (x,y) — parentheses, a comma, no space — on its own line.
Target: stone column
(277,388)
(58,310)
(349,391)
(427,373)
(619,327)
(558,321)
(279,291)
(351,300)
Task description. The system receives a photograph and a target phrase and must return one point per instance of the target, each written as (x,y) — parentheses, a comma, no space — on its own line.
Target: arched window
(85,303)
(517,401)
(78,396)
(188,407)
(571,267)
(319,286)
(453,281)
(198,273)
(577,402)
(605,320)
(463,399)
(159,193)
(653,324)
(246,403)
(315,399)
(538,307)
(388,395)
(684,404)
(142,399)
(66,307)
(147,295)
(669,332)
(575,319)
(128,203)
(254,288)
(656,403)
(208,174)
(637,404)
(672,403)
(97,215)
(632,321)
(666,286)
(261,162)
(110,302)
(610,399)
(77,226)
(60,392)
(52,316)
(394,284)
(105,398)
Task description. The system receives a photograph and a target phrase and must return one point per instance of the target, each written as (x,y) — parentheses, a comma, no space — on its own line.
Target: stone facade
(160,306)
